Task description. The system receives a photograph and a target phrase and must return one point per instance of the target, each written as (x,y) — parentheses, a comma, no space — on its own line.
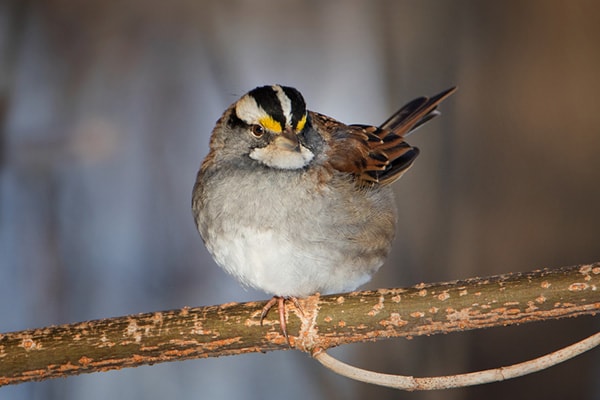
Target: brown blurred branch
(327,321)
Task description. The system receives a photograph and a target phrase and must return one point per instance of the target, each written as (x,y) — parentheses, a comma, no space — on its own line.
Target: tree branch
(326,321)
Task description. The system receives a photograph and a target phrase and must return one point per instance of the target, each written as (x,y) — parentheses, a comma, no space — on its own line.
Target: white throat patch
(275,157)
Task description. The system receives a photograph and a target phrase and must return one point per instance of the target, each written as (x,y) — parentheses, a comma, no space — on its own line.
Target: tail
(416,113)
(392,156)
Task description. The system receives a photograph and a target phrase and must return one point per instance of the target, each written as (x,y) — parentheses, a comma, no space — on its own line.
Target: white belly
(270,262)
(288,240)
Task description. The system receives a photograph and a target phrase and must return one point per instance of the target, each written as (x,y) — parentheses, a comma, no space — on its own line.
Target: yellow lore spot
(270,124)
(301,123)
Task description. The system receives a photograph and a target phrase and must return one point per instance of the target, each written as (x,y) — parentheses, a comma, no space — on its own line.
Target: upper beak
(288,140)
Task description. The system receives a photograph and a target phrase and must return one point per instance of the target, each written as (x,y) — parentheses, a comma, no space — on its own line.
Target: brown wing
(379,155)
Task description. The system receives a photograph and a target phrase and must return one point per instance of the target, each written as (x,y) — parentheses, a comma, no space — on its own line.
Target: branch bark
(326,321)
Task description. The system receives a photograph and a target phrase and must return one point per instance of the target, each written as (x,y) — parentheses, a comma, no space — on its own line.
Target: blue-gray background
(106,109)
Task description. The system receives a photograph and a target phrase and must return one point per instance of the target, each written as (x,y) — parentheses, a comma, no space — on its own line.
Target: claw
(280,300)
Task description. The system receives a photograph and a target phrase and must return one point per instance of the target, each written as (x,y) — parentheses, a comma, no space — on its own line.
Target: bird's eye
(257,130)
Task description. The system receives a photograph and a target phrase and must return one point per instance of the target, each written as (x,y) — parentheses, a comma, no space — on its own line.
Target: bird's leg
(280,300)
(282,319)
(267,307)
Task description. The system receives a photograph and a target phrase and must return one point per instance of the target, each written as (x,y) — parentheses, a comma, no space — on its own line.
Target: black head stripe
(266,97)
(235,122)
(298,104)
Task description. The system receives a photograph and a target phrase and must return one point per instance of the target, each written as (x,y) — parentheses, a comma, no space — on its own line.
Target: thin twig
(411,383)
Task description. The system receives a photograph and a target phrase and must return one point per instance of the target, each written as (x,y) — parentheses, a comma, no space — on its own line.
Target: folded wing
(379,155)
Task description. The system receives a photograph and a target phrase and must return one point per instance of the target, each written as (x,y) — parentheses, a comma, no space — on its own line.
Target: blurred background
(106,108)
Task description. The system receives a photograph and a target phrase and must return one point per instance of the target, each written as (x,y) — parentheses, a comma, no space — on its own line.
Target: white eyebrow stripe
(248,110)
(286,104)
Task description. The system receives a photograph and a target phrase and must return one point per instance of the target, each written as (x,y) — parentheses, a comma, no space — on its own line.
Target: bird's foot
(280,300)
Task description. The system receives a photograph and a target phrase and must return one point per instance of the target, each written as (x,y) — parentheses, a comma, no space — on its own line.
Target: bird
(293,202)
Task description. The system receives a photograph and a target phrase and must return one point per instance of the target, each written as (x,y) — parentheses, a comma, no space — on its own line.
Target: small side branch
(327,321)
(410,383)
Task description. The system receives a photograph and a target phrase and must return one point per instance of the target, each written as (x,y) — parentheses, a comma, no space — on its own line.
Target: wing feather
(379,155)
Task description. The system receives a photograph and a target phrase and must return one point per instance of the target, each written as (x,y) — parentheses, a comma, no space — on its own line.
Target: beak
(288,141)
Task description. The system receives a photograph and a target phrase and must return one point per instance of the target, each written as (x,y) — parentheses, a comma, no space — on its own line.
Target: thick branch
(326,321)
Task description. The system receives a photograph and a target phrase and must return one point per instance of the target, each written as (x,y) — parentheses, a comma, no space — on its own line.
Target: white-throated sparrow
(293,202)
